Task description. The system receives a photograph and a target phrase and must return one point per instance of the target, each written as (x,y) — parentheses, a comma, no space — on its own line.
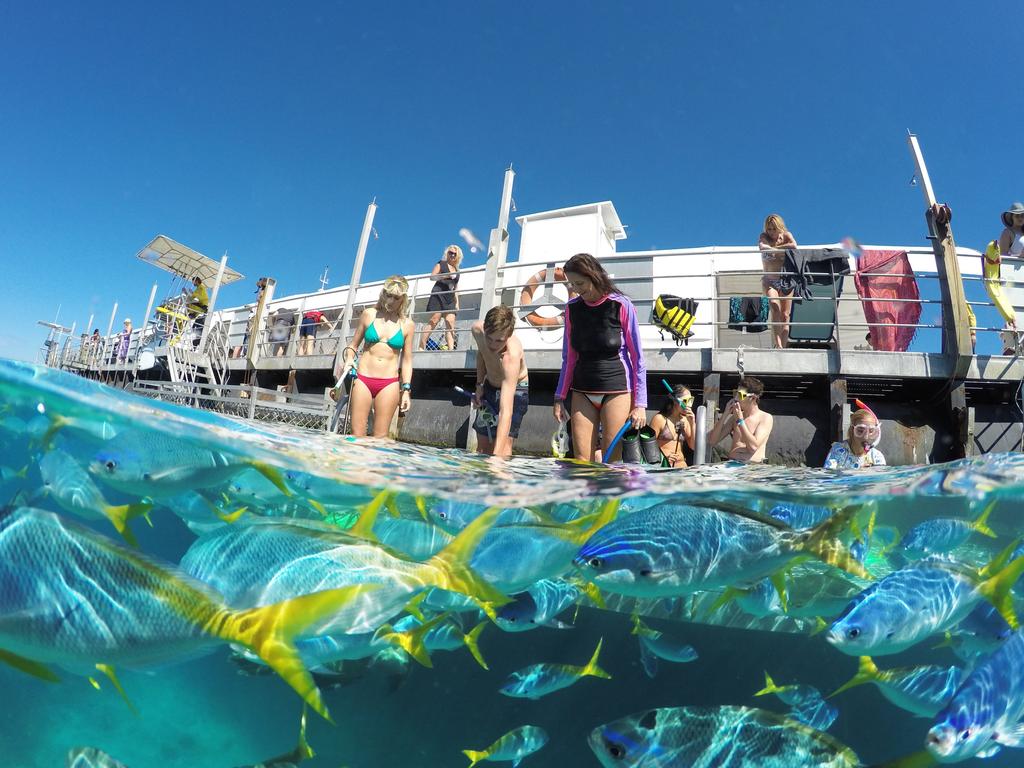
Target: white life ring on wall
(534,318)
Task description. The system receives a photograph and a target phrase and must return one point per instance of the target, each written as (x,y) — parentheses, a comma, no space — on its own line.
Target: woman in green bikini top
(384,368)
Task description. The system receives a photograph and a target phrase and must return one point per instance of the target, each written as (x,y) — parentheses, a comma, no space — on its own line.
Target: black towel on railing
(804,266)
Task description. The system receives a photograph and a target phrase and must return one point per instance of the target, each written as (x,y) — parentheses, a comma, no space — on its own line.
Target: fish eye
(853,633)
(617,751)
(595,562)
(111,465)
(965,734)
(443,515)
(645,572)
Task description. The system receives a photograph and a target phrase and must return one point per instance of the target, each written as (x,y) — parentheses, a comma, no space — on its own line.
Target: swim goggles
(740,394)
(866,430)
(685,402)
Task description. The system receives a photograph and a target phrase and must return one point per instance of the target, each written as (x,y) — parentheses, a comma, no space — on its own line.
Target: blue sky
(264,130)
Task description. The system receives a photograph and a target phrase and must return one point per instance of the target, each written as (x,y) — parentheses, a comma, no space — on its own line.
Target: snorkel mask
(869,434)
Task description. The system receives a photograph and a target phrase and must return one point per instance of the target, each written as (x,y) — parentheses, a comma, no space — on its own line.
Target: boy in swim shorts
(502,382)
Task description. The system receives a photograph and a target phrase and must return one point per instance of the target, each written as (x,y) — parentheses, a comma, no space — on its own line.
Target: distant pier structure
(891,325)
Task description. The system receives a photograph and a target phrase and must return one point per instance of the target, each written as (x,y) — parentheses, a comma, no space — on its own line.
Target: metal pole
(110,328)
(142,329)
(497,249)
(353,286)
(213,301)
(701,438)
(922,171)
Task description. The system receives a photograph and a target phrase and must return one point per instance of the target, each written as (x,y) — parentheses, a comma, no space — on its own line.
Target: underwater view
(180,588)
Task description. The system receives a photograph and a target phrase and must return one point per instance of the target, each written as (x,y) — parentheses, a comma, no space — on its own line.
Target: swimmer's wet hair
(752,385)
(499,321)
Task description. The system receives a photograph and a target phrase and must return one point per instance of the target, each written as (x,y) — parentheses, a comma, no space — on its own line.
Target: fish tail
(119,515)
(316,505)
(867,672)
(996,588)
(270,632)
(778,580)
(591,669)
(421,505)
(57,423)
(728,595)
(922,759)
(475,756)
(947,641)
(638,625)
(22,473)
(820,625)
(769,686)
(472,641)
(303,751)
(823,542)
(582,528)
(413,607)
(273,474)
(231,517)
(981,524)
(412,641)
(449,568)
(368,512)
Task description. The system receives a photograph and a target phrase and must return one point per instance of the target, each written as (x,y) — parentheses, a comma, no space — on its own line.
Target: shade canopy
(171,256)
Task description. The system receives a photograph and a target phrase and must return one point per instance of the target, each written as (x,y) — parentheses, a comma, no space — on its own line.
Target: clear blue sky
(263,129)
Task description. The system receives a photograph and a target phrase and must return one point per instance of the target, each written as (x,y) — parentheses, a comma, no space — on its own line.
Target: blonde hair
(395,286)
(774,218)
(458,254)
(863,416)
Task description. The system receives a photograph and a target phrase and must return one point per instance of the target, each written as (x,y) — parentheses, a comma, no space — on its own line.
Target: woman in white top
(859,449)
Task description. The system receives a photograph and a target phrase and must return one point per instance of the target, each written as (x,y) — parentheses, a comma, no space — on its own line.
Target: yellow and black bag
(674,315)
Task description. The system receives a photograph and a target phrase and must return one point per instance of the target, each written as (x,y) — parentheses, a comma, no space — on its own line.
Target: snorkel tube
(862,407)
(615,441)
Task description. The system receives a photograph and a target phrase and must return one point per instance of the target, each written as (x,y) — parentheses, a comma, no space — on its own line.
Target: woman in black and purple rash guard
(602,360)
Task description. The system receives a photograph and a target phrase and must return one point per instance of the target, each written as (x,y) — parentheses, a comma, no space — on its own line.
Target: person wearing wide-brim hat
(1011,241)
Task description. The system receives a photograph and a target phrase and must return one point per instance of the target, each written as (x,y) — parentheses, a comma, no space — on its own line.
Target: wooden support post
(839,411)
(961,418)
(712,394)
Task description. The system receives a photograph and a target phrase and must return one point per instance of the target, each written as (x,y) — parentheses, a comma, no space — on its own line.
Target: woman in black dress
(443,297)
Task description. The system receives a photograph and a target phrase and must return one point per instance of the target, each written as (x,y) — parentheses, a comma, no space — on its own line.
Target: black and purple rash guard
(601,349)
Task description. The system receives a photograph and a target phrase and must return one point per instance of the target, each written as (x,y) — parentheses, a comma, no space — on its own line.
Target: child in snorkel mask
(859,449)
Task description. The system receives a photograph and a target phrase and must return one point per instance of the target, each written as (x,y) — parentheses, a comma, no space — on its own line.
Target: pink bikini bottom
(374,384)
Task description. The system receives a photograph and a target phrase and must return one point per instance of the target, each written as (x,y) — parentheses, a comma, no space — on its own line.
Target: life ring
(526,297)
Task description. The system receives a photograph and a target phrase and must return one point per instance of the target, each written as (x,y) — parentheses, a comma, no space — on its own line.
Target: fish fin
(57,423)
(516,762)
(273,474)
(778,580)
(996,588)
(740,511)
(22,473)
(591,669)
(769,686)
(472,640)
(1012,737)
(543,515)
(412,641)
(820,625)
(119,515)
(317,506)
(231,517)
(392,504)
(475,756)
(94,683)
(270,632)
(921,759)
(648,661)
(108,670)
(363,527)
(421,505)
(728,595)
(582,528)
(867,672)
(981,524)
(28,666)
(413,607)
(947,641)
(449,568)
(593,592)
(638,626)
(823,542)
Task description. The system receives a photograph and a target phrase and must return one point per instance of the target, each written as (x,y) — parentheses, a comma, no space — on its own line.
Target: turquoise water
(210,711)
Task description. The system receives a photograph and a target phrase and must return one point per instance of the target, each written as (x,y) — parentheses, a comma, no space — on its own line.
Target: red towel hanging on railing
(877,291)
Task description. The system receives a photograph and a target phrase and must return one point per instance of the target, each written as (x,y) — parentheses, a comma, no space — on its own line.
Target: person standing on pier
(443,297)
(383,371)
(603,376)
(773,242)
(744,420)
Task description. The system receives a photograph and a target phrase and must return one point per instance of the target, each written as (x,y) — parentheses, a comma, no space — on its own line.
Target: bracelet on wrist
(405,386)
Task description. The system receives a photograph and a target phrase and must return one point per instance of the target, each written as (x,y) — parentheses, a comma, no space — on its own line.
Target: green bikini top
(372,336)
